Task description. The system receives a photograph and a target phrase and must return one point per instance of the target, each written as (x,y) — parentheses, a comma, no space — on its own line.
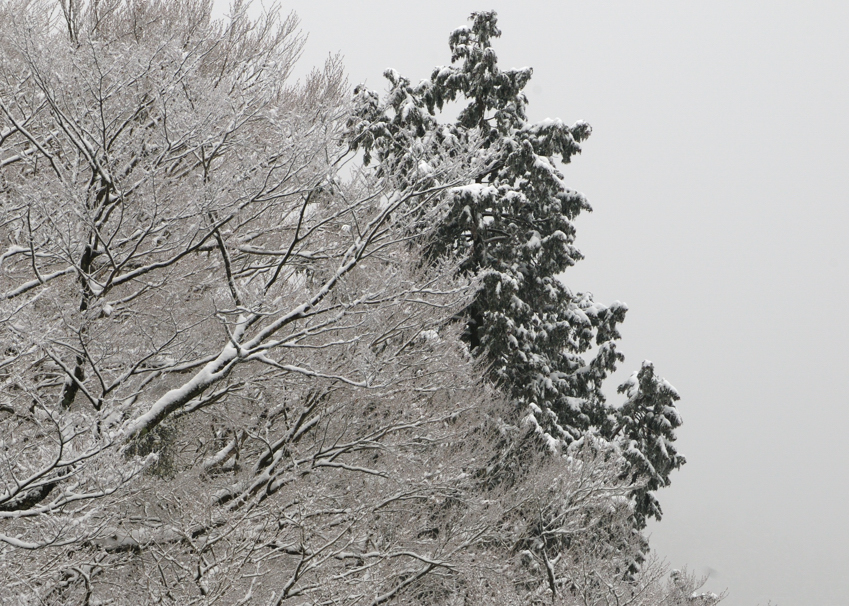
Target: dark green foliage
(647,423)
(511,218)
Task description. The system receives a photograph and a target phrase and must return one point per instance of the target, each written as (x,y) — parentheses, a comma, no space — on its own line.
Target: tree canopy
(513,223)
(235,371)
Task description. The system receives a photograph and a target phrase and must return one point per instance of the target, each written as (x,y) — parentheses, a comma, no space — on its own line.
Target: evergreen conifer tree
(512,220)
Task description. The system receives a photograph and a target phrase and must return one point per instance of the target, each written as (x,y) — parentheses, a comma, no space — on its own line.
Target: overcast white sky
(718,173)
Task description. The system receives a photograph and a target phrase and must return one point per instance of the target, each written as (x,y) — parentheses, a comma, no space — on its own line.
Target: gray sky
(718,173)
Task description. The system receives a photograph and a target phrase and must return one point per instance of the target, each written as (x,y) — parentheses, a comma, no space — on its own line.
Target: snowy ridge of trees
(230,374)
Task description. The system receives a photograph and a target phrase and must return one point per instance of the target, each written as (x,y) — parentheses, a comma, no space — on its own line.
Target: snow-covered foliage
(513,222)
(647,422)
(230,375)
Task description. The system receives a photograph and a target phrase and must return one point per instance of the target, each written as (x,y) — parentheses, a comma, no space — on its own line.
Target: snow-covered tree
(230,375)
(217,355)
(550,348)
